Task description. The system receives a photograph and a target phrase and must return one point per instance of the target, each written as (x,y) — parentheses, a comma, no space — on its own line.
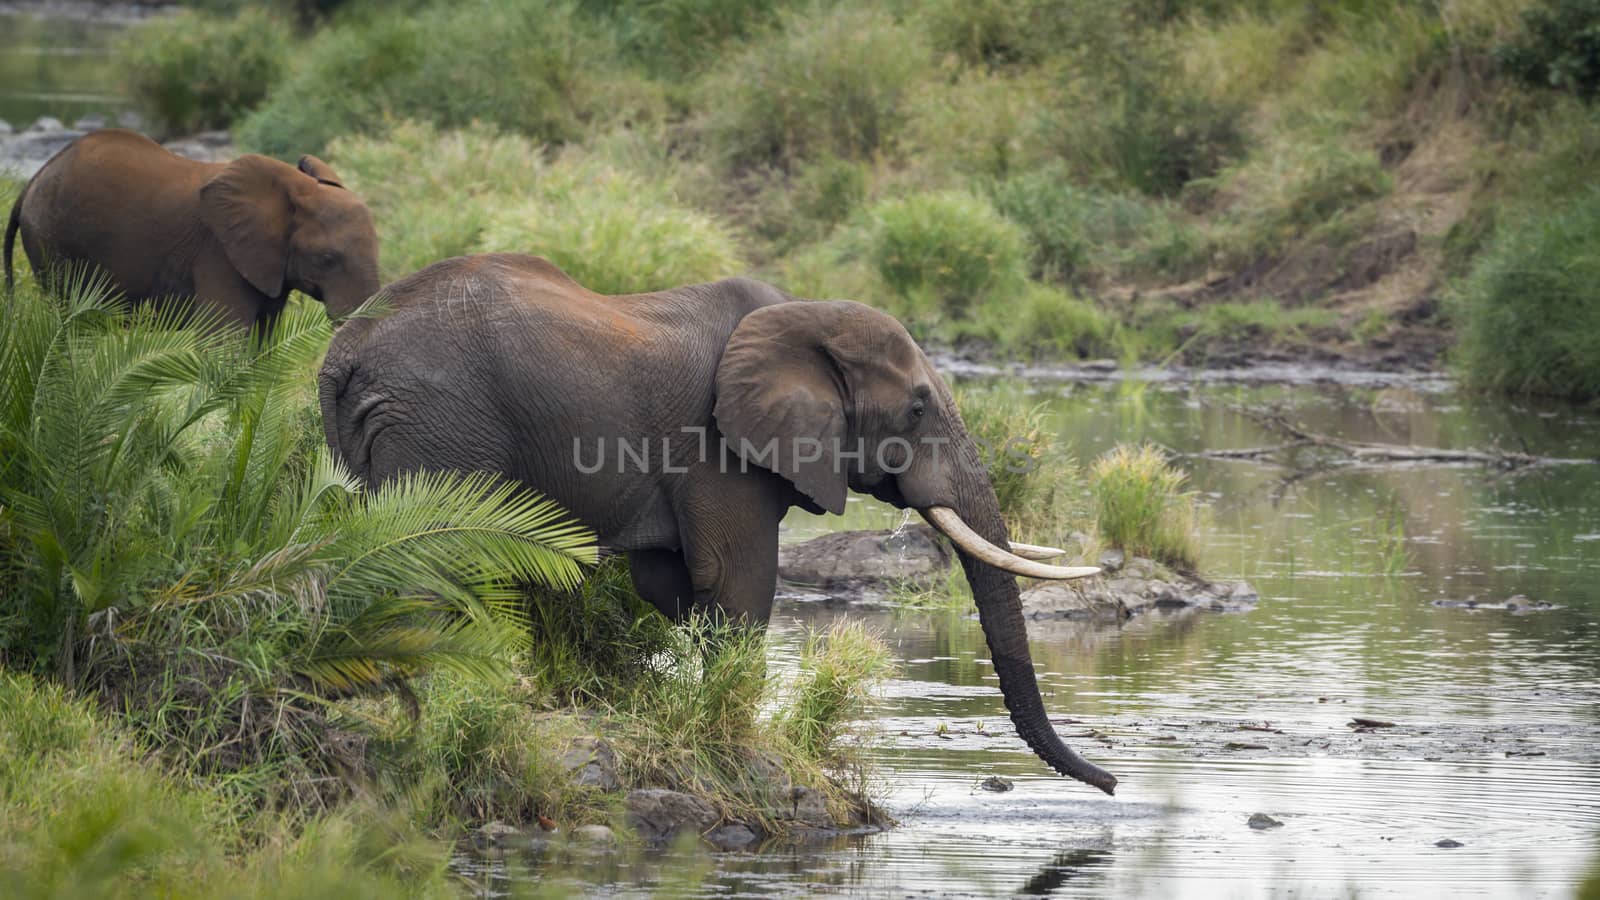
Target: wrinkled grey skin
(499,362)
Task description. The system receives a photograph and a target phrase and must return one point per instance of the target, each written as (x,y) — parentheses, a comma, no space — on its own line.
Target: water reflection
(57,66)
(1210,718)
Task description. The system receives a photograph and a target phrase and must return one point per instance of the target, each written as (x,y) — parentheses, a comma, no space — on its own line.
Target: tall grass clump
(438,193)
(1084,234)
(528,66)
(193,71)
(1035,479)
(1529,311)
(1141,507)
(945,253)
(1045,322)
(838,668)
(614,232)
(176,539)
(678,36)
(89,816)
(830,80)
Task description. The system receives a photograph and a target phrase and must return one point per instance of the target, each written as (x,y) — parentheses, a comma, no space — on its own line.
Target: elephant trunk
(1000,613)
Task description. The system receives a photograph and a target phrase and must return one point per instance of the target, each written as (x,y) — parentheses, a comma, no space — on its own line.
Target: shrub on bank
(1043,322)
(613,232)
(832,80)
(950,247)
(89,816)
(528,66)
(1529,311)
(193,71)
(1081,233)
(1141,507)
(435,194)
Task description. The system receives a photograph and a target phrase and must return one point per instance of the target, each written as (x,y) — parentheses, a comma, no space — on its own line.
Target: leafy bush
(1082,233)
(982,124)
(175,536)
(1047,323)
(951,245)
(436,194)
(1559,48)
(1529,312)
(1141,507)
(529,65)
(1129,116)
(193,71)
(992,32)
(829,81)
(614,232)
(93,818)
(678,36)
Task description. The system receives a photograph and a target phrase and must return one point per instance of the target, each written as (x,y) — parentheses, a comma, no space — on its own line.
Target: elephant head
(286,227)
(834,396)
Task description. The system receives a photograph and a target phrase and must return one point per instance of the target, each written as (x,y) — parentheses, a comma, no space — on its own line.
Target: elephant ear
(320,170)
(247,207)
(780,396)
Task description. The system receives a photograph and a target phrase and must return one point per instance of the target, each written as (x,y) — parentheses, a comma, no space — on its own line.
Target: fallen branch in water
(1375,454)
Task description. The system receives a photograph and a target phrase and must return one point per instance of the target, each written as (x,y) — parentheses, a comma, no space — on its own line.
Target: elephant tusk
(947,521)
(1035,551)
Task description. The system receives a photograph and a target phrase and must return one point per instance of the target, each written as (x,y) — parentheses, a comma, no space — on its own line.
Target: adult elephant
(238,236)
(681,426)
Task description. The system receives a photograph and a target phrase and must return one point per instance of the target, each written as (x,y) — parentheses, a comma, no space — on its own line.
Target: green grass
(538,67)
(1530,308)
(1035,479)
(436,194)
(1141,507)
(313,675)
(831,80)
(945,253)
(193,71)
(89,816)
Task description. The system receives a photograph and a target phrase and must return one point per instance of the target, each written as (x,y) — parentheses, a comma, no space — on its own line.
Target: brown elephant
(681,426)
(238,236)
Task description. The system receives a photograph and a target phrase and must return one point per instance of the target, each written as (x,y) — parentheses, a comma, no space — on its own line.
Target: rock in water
(658,814)
(1448,844)
(593,834)
(1262,822)
(997,784)
(858,562)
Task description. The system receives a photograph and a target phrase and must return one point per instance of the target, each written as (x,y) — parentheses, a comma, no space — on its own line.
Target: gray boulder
(1130,588)
(856,562)
(590,762)
(658,814)
(46,124)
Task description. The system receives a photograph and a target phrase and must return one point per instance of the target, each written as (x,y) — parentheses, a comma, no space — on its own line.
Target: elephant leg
(729,525)
(662,578)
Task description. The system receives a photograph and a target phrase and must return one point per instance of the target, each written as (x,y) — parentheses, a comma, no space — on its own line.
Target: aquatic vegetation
(1141,507)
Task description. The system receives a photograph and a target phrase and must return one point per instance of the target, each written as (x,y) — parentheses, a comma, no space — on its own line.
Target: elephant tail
(13,225)
(331,384)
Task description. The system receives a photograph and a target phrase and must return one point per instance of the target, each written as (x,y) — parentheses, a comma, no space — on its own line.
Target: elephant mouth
(1021,559)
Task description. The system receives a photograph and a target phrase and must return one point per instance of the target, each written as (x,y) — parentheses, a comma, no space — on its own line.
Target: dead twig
(1364,453)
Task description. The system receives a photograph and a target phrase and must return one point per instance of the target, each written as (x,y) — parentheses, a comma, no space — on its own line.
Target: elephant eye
(327,260)
(918,408)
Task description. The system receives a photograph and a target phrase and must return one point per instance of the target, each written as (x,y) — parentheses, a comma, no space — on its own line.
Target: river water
(58,66)
(1496,743)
